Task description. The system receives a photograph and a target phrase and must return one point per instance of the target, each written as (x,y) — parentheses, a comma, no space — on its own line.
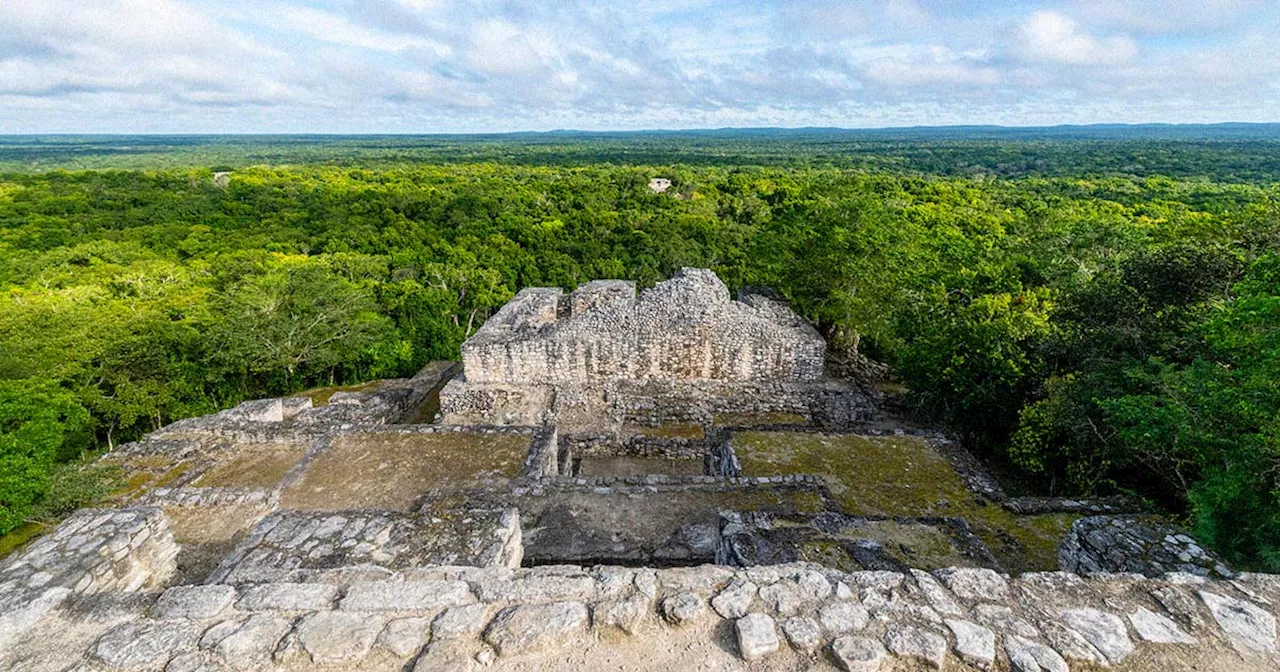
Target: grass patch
(394,471)
(321,395)
(254,466)
(20,536)
(903,476)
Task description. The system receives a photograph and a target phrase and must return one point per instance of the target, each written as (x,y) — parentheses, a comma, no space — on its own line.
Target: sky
(461,66)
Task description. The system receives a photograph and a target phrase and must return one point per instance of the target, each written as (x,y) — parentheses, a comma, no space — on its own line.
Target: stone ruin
(669,480)
(682,351)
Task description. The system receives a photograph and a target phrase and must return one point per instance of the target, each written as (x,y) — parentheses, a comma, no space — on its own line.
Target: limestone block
(975,583)
(404,637)
(396,595)
(735,600)
(288,597)
(623,614)
(910,641)
(1156,628)
(527,628)
(1247,625)
(757,636)
(974,643)
(683,608)
(462,621)
(193,602)
(252,644)
(1028,656)
(142,644)
(843,617)
(1106,632)
(859,654)
(338,637)
(803,633)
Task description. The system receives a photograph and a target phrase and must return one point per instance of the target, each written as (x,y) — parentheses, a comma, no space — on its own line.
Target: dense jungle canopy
(1095,314)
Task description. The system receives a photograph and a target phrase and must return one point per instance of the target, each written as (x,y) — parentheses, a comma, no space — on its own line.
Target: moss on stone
(903,476)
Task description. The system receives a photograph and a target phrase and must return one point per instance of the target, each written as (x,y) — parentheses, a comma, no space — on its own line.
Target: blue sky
(421,66)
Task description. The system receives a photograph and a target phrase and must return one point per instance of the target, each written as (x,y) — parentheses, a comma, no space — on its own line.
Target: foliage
(1100,312)
(38,421)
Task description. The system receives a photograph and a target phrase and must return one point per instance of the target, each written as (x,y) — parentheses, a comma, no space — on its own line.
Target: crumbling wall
(686,328)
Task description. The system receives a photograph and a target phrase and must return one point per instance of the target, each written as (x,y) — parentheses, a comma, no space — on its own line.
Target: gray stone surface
(1030,656)
(859,654)
(193,602)
(912,641)
(288,597)
(1246,624)
(404,637)
(462,621)
(803,633)
(1105,631)
(973,643)
(142,644)
(735,600)
(842,617)
(1156,628)
(528,628)
(251,644)
(757,636)
(338,637)
(683,608)
(1138,544)
(397,595)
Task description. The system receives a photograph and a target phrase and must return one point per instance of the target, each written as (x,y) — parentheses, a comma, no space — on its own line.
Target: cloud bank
(354,66)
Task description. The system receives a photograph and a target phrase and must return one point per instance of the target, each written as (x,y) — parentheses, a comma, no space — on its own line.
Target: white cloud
(1053,37)
(1166,16)
(426,65)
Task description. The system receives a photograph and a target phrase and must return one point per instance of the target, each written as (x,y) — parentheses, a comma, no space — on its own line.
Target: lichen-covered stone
(803,633)
(1247,625)
(193,602)
(1156,628)
(735,600)
(142,645)
(757,636)
(973,643)
(1029,656)
(536,627)
(338,637)
(911,641)
(859,654)
(1138,544)
(684,608)
(1105,631)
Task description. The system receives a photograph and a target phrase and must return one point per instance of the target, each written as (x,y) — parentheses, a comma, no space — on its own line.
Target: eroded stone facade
(680,351)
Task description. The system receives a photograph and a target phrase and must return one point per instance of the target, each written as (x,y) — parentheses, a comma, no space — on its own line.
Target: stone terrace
(766,519)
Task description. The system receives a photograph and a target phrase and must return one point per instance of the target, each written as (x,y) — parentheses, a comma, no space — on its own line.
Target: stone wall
(686,328)
(803,615)
(93,551)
